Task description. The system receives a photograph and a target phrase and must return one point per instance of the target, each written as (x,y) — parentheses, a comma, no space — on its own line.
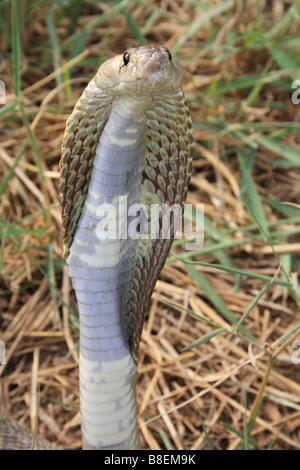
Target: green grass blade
(209,322)
(284,402)
(215,299)
(3,25)
(246,431)
(10,172)
(52,277)
(201,21)
(4,230)
(276,436)
(251,198)
(96,21)
(259,85)
(75,15)
(208,441)
(284,208)
(282,58)
(249,81)
(204,339)
(209,249)
(60,402)
(252,304)
(33,143)
(285,336)
(286,263)
(295,281)
(241,272)
(7,108)
(288,153)
(134,28)
(241,435)
(54,44)
(12,231)
(16,49)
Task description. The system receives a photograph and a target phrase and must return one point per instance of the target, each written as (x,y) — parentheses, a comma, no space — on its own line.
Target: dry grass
(230,392)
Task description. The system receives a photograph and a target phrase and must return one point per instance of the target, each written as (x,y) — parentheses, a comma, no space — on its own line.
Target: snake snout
(156,59)
(156,62)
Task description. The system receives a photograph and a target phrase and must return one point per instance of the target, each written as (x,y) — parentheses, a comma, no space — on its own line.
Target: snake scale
(127,147)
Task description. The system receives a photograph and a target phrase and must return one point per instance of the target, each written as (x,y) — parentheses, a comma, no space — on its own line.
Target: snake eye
(126,58)
(169,55)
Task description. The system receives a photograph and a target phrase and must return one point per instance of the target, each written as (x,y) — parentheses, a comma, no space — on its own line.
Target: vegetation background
(219,361)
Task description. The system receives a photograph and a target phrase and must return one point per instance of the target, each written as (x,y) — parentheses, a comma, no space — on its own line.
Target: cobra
(129,138)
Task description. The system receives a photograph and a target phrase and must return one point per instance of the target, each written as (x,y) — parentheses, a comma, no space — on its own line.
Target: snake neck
(100,270)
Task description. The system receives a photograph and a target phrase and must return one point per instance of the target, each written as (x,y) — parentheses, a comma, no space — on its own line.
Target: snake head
(149,70)
(144,69)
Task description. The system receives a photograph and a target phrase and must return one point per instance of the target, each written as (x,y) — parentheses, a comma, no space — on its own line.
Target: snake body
(127,143)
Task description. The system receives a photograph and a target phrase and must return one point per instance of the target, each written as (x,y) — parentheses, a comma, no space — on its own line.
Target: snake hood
(147,79)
